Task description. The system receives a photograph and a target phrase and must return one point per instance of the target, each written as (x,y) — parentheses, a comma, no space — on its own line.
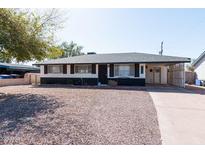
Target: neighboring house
(199,67)
(135,69)
(7,69)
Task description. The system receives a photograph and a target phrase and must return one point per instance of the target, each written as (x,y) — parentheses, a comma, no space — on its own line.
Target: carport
(6,68)
(165,73)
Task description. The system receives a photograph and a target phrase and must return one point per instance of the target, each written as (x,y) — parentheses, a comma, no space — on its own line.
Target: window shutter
(45,69)
(72,69)
(142,70)
(64,69)
(111,70)
(93,68)
(136,70)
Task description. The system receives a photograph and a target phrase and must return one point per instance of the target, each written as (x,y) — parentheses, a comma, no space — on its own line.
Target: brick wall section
(29,78)
(11,82)
(177,75)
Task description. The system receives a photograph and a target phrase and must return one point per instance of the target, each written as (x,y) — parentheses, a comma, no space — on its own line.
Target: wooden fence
(190,77)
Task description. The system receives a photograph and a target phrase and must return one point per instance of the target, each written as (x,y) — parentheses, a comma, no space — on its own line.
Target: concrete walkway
(181,115)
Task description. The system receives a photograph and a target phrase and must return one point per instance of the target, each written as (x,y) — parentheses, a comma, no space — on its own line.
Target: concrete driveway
(181,115)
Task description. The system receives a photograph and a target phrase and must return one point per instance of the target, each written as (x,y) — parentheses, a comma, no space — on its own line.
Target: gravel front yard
(49,115)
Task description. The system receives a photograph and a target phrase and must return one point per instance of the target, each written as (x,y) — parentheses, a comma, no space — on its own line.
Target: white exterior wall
(142,75)
(68,75)
(42,70)
(163,74)
(200,69)
(150,76)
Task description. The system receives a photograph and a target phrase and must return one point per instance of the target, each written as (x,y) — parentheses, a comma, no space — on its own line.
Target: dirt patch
(63,115)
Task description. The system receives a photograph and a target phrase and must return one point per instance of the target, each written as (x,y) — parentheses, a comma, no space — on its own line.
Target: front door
(157,75)
(102,74)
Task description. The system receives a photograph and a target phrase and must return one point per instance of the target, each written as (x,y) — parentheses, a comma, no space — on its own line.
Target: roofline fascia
(198,59)
(19,68)
(115,63)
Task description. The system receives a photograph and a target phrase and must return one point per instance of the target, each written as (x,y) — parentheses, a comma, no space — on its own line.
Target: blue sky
(137,30)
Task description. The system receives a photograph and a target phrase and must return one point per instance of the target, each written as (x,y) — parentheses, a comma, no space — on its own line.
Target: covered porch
(165,74)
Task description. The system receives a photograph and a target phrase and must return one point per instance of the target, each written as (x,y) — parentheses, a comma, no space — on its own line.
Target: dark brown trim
(102,73)
(64,69)
(92,81)
(45,69)
(93,68)
(71,81)
(72,69)
(141,69)
(129,81)
(137,74)
(111,70)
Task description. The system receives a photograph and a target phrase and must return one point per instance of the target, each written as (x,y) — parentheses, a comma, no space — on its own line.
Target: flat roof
(18,66)
(117,58)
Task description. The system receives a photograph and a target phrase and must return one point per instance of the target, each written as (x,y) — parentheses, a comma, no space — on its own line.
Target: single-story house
(199,67)
(135,69)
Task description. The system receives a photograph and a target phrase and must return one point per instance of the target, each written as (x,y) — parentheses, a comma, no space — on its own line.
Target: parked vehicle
(5,76)
(16,76)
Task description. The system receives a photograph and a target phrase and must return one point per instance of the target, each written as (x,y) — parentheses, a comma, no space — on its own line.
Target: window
(83,69)
(142,69)
(124,70)
(55,69)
